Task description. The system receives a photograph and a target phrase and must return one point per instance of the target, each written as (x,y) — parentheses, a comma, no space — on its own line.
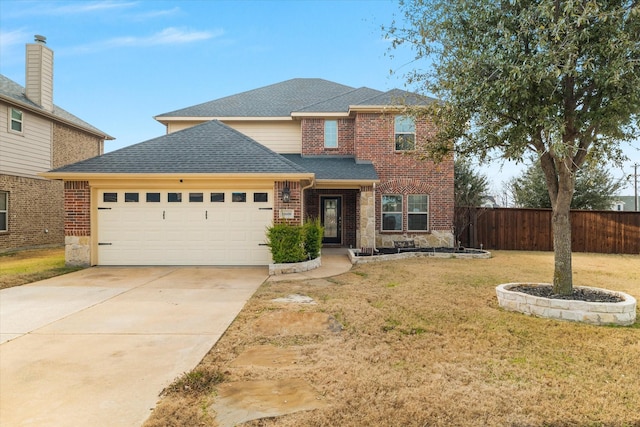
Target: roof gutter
(52,116)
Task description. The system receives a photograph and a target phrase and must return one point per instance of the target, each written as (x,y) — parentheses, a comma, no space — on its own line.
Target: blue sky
(119,63)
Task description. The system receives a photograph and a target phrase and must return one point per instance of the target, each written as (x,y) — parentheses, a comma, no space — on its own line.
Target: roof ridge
(338,96)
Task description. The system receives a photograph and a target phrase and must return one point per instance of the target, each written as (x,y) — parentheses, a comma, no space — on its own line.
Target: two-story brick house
(227,169)
(35,136)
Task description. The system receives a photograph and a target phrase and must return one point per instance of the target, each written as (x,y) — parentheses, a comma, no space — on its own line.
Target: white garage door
(178,227)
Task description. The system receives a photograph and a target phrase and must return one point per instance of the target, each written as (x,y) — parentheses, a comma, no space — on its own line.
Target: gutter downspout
(311,184)
(374,218)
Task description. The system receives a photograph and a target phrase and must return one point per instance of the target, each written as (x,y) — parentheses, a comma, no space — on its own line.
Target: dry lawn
(425,344)
(20,267)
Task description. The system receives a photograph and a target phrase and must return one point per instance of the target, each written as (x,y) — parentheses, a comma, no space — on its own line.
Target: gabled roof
(335,168)
(209,148)
(276,100)
(12,92)
(296,97)
(396,97)
(342,102)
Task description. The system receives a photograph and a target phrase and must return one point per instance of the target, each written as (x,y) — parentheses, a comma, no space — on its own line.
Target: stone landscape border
(294,267)
(595,313)
(355,259)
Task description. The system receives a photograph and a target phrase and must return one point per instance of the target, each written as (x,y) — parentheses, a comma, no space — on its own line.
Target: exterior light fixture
(286,195)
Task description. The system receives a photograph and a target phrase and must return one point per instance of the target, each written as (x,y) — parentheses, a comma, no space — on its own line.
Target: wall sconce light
(286,195)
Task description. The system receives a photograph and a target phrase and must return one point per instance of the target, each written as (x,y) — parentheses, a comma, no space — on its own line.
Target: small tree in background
(595,189)
(469,186)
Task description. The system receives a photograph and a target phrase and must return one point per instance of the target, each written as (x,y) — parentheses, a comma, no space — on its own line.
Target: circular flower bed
(588,305)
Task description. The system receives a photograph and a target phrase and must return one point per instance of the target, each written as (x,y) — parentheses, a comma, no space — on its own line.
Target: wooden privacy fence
(530,230)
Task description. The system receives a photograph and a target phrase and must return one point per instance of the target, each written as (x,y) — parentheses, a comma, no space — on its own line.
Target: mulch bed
(440,250)
(579,294)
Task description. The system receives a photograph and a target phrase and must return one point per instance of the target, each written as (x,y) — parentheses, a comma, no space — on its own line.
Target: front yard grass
(425,344)
(20,267)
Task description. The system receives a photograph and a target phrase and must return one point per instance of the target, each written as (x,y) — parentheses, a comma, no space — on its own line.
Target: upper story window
(330,134)
(4,211)
(405,133)
(15,120)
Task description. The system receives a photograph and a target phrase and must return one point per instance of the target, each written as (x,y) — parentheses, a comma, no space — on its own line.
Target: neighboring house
(489,202)
(36,136)
(625,203)
(227,169)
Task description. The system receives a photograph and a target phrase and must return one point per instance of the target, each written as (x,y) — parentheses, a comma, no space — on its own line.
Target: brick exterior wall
(72,145)
(370,137)
(35,213)
(77,208)
(403,172)
(313,138)
(36,207)
(294,204)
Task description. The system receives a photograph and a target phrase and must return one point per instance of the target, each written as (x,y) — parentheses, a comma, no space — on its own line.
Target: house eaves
(210,149)
(12,93)
(337,171)
(165,120)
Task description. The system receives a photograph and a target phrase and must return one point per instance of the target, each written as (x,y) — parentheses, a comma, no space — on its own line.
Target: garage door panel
(183,233)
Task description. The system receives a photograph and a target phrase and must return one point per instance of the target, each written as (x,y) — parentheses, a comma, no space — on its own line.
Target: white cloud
(88,7)
(168,36)
(155,14)
(31,8)
(11,38)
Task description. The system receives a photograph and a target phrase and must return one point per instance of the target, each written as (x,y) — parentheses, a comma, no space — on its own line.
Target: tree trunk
(561,226)
(562,274)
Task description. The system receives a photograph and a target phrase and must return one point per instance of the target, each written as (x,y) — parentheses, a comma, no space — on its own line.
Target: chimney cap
(40,39)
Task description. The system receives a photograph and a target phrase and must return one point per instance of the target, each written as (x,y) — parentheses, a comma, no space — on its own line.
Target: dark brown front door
(331,217)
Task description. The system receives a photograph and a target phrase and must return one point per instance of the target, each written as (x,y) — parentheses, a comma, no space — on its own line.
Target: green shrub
(312,231)
(286,243)
(294,243)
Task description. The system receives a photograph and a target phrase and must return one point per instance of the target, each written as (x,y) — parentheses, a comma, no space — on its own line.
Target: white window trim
(325,133)
(383,212)
(6,212)
(11,120)
(396,133)
(418,213)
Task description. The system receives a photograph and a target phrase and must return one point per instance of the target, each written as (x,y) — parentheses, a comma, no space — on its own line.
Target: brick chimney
(39,73)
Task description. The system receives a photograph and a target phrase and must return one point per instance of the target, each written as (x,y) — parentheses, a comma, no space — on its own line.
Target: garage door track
(96,347)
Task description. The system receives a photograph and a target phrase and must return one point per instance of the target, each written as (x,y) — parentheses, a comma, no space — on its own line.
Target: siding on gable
(284,137)
(28,153)
(281,137)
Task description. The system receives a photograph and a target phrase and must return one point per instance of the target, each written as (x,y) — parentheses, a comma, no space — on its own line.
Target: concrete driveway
(96,347)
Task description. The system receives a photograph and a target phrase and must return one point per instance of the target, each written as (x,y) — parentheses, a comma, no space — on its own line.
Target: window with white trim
(405,133)
(15,120)
(4,211)
(417,212)
(391,212)
(330,134)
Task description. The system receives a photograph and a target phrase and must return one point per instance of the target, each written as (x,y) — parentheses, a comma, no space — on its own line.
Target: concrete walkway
(96,347)
(335,261)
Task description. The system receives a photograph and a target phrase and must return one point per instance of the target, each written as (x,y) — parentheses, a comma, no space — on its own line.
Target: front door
(331,217)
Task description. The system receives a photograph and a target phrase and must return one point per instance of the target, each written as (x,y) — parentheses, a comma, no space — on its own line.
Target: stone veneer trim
(595,313)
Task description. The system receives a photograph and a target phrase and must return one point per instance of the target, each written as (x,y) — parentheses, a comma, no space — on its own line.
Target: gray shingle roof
(297,95)
(335,168)
(397,97)
(210,147)
(276,100)
(13,91)
(341,102)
